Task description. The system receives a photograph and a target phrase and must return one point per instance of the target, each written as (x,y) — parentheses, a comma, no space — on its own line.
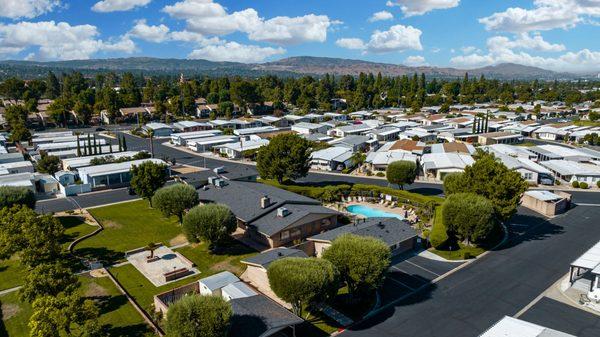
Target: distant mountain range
(292,66)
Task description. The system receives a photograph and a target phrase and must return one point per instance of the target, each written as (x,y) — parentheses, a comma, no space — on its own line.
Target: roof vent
(381,225)
(265,202)
(282,212)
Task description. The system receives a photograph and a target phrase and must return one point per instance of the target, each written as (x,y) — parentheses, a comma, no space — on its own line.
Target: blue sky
(559,35)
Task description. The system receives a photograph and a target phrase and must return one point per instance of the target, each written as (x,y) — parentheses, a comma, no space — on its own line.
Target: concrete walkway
(337,316)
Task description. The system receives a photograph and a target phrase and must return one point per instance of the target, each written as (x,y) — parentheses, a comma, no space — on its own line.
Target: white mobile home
(182,138)
(111,175)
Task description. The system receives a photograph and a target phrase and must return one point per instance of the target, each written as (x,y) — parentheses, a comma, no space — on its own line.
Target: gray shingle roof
(266,258)
(389,230)
(244,200)
(256,316)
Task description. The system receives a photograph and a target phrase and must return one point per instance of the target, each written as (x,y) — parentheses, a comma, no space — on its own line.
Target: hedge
(438,235)
(575,184)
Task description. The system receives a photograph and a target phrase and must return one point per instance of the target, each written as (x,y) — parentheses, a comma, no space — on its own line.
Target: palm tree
(358,158)
(152,247)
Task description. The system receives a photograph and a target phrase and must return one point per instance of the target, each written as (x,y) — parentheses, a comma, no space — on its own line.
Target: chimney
(282,212)
(265,202)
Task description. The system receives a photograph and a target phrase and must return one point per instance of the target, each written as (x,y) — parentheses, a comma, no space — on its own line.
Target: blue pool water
(371,212)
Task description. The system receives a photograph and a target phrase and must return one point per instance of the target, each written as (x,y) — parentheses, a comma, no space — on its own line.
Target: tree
(361,261)
(175,199)
(35,237)
(454,183)
(64,315)
(287,157)
(358,158)
(491,179)
(47,279)
(401,172)
(151,247)
(210,222)
(148,177)
(469,217)
(303,281)
(15,195)
(48,164)
(199,316)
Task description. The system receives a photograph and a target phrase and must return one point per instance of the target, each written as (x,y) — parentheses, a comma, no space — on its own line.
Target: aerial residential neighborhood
(219,168)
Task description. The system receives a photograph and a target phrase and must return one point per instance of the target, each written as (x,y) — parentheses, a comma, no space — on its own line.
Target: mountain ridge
(290,66)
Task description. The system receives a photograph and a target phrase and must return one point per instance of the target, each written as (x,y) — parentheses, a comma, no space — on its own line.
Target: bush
(401,173)
(557,182)
(13,195)
(575,184)
(175,199)
(583,185)
(210,222)
(380,174)
(598,184)
(195,313)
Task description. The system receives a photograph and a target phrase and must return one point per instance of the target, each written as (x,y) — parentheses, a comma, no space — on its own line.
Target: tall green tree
(469,217)
(401,173)
(16,195)
(361,261)
(491,179)
(64,315)
(303,281)
(211,223)
(287,157)
(48,164)
(175,199)
(147,178)
(199,316)
(48,279)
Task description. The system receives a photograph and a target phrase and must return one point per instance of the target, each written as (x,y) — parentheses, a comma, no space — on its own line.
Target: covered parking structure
(584,273)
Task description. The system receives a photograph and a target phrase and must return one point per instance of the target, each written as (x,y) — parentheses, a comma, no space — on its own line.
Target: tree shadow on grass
(102,254)
(137,330)
(108,304)
(232,247)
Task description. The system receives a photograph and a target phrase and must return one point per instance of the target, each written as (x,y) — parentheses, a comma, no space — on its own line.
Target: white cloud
(468,49)
(545,15)
(420,7)
(524,41)
(106,6)
(415,61)
(351,43)
(504,50)
(210,18)
(381,16)
(145,32)
(235,52)
(396,39)
(58,40)
(15,9)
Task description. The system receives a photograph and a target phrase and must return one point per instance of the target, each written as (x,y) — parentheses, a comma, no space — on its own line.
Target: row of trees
(86,97)
(50,285)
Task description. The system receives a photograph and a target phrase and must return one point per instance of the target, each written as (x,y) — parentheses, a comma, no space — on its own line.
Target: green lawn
(127,226)
(118,317)
(226,259)
(75,227)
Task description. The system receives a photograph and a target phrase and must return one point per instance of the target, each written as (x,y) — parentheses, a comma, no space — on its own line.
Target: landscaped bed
(118,316)
(128,226)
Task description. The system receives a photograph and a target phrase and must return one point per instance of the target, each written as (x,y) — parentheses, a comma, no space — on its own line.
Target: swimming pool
(371,212)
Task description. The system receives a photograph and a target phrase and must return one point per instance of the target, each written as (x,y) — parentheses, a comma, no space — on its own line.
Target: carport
(586,268)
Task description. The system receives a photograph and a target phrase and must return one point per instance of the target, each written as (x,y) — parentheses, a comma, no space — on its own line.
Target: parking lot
(408,273)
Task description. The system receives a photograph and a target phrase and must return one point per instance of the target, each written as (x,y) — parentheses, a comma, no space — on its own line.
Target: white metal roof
(513,327)
(77,162)
(238,290)
(333,153)
(212,140)
(219,280)
(590,259)
(115,167)
(388,157)
(569,168)
(543,195)
(446,160)
(158,126)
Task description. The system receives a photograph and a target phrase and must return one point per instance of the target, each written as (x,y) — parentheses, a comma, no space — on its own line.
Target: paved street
(503,282)
(560,316)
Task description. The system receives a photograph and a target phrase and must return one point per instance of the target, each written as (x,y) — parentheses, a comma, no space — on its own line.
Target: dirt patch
(178,240)
(9,310)
(225,265)
(95,290)
(181,169)
(98,273)
(111,224)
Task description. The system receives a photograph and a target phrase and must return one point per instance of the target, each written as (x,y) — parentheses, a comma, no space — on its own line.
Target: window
(285,235)
(528,176)
(296,232)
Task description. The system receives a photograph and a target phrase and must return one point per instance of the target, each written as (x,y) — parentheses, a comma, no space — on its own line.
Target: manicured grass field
(127,226)
(228,258)
(75,227)
(118,317)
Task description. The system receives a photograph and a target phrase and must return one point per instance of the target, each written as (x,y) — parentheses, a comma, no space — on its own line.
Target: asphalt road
(501,283)
(559,316)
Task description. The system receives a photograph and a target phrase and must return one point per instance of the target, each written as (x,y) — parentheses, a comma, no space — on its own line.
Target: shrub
(583,185)
(557,182)
(598,183)
(380,174)
(438,236)
(192,314)
(211,222)
(175,199)
(575,184)
(13,195)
